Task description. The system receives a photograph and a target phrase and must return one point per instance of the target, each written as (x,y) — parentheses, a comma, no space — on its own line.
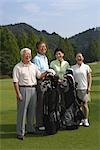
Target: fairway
(80,139)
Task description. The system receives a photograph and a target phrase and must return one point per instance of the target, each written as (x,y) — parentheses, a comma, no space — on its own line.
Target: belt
(27,86)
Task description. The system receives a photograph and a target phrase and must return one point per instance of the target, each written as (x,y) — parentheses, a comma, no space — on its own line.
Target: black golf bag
(70,112)
(50,100)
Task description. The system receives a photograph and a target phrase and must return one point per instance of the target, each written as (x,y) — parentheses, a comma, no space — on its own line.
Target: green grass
(81,139)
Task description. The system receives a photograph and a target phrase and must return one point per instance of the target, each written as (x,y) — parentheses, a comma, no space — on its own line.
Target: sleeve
(15,74)
(89,69)
(51,65)
(47,61)
(36,62)
(38,73)
(68,66)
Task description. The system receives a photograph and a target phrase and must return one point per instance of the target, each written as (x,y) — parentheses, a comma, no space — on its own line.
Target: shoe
(86,123)
(42,128)
(82,122)
(20,137)
(39,131)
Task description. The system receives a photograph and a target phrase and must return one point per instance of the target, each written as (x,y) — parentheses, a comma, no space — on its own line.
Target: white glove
(51,71)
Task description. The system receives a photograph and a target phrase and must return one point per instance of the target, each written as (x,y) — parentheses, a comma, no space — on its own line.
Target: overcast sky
(65,17)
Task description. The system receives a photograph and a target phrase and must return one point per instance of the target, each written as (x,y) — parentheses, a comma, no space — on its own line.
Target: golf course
(84,138)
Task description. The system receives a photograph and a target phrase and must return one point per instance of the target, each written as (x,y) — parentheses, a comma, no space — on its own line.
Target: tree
(65,45)
(70,51)
(22,40)
(31,43)
(9,53)
(42,38)
(93,53)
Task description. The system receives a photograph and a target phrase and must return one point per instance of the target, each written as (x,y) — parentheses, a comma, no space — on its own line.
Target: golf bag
(70,112)
(50,100)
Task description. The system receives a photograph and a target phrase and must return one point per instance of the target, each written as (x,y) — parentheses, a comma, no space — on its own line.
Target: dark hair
(57,50)
(39,43)
(79,52)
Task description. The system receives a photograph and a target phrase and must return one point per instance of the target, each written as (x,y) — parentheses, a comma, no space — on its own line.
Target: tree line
(10,45)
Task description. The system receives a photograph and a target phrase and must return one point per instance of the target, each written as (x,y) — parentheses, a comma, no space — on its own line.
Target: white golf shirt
(80,74)
(26,74)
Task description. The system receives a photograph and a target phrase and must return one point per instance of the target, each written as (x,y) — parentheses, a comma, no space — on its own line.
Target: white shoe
(86,123)
(41,128)
(82,122)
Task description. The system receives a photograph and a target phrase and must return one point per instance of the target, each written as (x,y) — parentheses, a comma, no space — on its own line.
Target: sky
(65,17)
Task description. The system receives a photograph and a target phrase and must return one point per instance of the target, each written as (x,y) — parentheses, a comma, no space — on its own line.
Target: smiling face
(79,58)
(59,55)
(26,57)
(42,49)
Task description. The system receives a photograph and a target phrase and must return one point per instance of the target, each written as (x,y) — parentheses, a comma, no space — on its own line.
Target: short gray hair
(25,49)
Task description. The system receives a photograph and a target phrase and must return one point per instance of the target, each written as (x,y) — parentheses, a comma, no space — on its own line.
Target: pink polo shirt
(26,74)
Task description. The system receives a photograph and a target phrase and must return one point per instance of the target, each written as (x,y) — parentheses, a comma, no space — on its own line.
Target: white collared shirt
(80,74)
(26,74)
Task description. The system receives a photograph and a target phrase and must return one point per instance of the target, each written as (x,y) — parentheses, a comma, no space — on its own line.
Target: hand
(43,75)
(88,90)
(60,81)
(19,97)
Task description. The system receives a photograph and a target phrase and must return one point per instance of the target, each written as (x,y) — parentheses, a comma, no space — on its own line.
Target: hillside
(52,40)
(83,40)
(80,41)
(14,37)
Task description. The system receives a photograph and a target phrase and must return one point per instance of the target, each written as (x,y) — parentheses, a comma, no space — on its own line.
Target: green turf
(81,139)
